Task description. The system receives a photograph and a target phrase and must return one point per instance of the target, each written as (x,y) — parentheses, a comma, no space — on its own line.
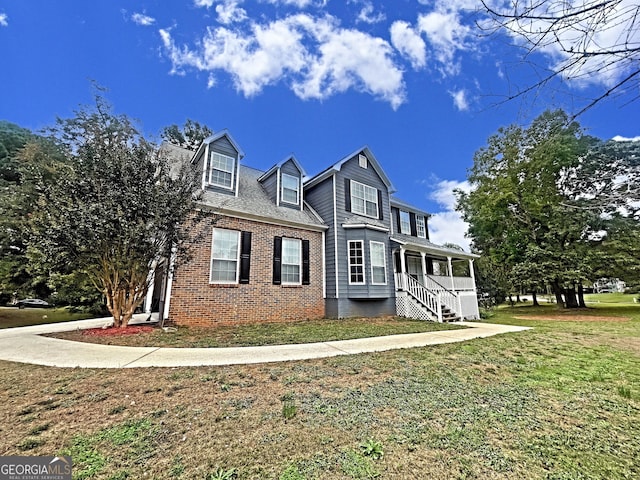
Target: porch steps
(449,315)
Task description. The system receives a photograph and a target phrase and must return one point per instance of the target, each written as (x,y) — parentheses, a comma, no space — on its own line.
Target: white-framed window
(290,187)
(362,161)
(291,261)
(364,199)
(378,263)
(225,256)
(421,226)
(221,170)
(405,223)
(356,262)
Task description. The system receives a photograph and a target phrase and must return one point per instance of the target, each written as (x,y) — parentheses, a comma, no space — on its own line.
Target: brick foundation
(196,302)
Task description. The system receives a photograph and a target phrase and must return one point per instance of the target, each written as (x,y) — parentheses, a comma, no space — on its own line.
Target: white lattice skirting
(409,308)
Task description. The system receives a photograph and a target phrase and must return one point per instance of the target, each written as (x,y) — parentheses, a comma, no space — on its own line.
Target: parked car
(32,303)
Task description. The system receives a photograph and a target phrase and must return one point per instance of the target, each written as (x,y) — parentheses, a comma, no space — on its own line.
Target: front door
(414,268)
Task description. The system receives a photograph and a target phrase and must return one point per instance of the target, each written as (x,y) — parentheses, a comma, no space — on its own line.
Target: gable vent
(362,160)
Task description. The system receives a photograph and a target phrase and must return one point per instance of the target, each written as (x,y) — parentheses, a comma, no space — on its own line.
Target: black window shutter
(277,260)
(347,194)
(398,222)
(306,277)
(380,209)
(245,256)
(412,221)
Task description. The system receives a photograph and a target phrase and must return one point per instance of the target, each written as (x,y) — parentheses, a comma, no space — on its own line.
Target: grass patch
(11,317)
(556,402)
(610,298)
(267,334)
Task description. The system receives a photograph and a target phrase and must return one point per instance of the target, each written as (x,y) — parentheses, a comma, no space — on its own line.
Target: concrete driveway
(26,345)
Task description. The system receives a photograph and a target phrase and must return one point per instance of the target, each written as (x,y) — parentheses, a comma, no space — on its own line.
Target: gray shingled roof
(254,202)
(359,220)
(396,202)
(426,245)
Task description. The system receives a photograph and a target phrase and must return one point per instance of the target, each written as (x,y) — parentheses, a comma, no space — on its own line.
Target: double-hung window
(291,261)
(225,256)
(378,263)
(364,199)
(356,262)
(405,223)
(421,227)
(221,170)
(290,189)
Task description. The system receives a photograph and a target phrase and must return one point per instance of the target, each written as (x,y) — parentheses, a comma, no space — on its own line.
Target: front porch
(434,283)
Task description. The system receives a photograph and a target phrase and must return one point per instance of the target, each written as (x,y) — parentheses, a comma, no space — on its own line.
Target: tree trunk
(518,298)
(558,293)
(510,300)
(571,300)
(534,295)
(581,296)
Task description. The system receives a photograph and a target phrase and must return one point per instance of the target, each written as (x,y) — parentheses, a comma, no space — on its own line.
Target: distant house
(286,246)
(608,285)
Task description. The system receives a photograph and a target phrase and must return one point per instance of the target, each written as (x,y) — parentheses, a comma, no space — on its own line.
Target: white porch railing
(432,296)
(458,284)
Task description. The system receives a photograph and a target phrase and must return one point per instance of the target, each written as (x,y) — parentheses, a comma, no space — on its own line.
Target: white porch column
(424,267)
(472,273)
(148,299)
(403,266)
(450,268)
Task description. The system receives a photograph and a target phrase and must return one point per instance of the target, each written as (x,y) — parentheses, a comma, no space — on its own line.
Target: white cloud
(447,35)
(314,56)
(293,3)
(460,99)
(4,20)
(409,43)
(142,19)
(230,11)
(368,15)
(619,138)
(204,3)
(447,226)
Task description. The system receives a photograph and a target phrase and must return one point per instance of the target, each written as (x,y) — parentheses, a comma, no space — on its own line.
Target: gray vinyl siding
(320,197)
(353,300)
(270,184)
(224,146)
(346,307)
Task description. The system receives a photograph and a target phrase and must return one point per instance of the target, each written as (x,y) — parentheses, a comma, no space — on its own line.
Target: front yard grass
(561,401)
(308,331)
(21,317)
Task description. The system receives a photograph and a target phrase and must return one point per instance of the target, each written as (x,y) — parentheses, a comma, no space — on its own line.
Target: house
(608,285)
(286,246)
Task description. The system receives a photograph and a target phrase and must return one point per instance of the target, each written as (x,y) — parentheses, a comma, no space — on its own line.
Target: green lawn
(558,402)
(610,298)
(16,317)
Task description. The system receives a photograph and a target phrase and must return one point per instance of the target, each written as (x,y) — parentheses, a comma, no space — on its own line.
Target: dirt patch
(573,318)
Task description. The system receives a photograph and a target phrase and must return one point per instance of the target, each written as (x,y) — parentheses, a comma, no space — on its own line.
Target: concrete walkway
(25,345)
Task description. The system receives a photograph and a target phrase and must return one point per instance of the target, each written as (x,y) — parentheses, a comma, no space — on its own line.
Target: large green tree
(518,212)
(190,136)
(117,208)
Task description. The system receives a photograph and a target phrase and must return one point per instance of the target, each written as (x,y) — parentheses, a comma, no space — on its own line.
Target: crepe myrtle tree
(118,206)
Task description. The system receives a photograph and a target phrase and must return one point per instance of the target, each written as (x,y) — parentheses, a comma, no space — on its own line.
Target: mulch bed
(573,318)
(117,332)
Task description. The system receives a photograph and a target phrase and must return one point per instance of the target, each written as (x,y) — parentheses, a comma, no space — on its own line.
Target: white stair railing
(432,297)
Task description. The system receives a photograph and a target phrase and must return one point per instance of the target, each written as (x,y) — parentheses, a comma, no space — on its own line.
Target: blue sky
(412,79)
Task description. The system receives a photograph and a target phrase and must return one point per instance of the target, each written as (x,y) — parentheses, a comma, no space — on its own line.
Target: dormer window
(221,170)
(290,189)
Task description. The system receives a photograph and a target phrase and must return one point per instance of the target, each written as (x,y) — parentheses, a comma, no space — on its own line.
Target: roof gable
(216,137)
(338,166)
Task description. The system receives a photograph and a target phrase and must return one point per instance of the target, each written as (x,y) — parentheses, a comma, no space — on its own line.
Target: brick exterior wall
(196,302)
